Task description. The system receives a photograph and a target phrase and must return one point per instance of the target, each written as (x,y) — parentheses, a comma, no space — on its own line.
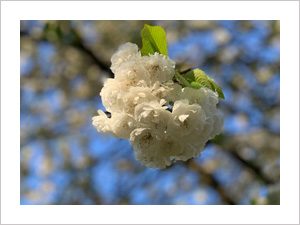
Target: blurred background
(65,161)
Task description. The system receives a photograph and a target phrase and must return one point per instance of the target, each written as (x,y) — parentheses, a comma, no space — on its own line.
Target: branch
(230,148)
(76,42)
(99,62)
(212,181)
(256,170)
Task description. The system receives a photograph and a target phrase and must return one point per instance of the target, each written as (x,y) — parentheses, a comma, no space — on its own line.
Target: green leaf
(195,85)
(154,40)
(217,88)
(182,80)
(197,78)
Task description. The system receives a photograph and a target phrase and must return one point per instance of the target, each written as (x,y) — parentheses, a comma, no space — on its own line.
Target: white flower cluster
(163,121)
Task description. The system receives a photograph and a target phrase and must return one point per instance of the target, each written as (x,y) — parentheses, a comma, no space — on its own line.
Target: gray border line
(116,0)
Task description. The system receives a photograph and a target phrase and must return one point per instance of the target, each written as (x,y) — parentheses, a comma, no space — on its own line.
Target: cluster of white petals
(163,121)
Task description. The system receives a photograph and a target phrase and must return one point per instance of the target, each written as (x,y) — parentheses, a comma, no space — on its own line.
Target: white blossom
(118,96)
(153,115)
(160,67)
(202,96)
(151,151)
(101,123)
(124,53)
(135,96)
(167,90)
(112,94)
(120,124)
(188,118)
(133,73)
(163,121)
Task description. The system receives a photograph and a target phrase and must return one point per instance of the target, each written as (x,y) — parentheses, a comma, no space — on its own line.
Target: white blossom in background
(163,121)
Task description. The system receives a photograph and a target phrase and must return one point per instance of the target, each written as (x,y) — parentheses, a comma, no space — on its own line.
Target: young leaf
(197,78)
(217,88)
(154,40)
